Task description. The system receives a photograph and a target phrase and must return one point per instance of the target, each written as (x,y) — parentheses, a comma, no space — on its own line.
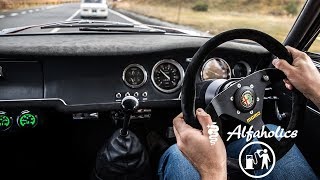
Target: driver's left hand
(209,160)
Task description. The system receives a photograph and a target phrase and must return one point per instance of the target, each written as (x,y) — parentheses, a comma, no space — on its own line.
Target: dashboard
(67,89)
(95,74)
(155,77)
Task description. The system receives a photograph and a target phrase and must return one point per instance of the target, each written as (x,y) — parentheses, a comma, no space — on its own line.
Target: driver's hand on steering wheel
(302,74)
(209,160)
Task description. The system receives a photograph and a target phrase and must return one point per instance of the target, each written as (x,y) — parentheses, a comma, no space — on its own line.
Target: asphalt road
(48,14)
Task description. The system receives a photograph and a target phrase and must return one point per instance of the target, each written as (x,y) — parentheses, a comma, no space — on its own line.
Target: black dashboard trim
(61,105)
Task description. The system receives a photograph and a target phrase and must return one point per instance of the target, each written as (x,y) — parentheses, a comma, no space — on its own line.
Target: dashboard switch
(127,94)
(136,94)
(118,95)
(145,94)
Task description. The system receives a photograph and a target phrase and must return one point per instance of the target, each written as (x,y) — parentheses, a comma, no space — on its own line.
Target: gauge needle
(165,75)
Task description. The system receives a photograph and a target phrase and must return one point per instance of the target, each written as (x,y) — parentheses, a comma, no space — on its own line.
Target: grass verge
(20,4)
(215,21)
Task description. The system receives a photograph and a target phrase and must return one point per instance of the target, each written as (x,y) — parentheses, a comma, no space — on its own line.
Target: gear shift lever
(129,104)
(123,156)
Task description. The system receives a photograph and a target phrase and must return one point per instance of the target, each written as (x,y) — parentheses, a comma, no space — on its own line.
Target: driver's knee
(174,165)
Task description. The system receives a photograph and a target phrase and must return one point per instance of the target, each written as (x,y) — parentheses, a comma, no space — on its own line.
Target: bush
(292,7)
(200,6)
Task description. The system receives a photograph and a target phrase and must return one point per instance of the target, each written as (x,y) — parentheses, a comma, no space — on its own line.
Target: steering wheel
(227,98)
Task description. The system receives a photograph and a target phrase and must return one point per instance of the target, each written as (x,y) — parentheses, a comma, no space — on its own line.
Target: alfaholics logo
(213,132)
(242,132)
(261,157)
(257,159)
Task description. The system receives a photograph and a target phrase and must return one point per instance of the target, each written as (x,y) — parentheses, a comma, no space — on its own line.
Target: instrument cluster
(166,76)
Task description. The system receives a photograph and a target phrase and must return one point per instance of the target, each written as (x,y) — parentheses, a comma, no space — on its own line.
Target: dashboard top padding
(104,45)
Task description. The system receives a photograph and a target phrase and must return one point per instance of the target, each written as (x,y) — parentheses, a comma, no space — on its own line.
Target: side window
(315,47)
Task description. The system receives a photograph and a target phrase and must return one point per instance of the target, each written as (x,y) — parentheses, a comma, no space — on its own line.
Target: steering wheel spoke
(243,100)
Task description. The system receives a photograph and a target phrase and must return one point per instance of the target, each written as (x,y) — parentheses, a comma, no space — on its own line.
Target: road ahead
(48,14)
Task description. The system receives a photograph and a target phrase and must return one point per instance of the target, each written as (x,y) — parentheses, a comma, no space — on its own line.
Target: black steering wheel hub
(245,99)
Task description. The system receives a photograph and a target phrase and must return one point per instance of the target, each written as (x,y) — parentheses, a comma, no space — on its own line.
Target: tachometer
(134,75)
(167,75)
(215,68)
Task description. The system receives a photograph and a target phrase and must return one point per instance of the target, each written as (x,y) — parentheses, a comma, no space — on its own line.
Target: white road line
(13,14)
(37,9)
(30,11)
(23,12)
(73,15)
(69,19)
(2,16)
(124,17)
(128,19)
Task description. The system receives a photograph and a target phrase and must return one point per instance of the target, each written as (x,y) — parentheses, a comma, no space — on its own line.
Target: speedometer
(167,75)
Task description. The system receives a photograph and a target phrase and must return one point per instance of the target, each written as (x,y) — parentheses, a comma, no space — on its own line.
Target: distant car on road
(94,8)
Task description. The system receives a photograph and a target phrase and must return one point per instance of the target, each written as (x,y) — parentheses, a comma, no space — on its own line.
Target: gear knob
(129,103)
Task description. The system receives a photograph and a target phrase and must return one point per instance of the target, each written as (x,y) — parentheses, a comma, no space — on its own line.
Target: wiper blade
(87,23)
(143,30)
(22,28)
(15,29)
(67,24)
(91,25)
(105,26)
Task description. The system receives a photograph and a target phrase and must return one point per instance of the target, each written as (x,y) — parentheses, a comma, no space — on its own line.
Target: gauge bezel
(27,112)
(177,65)
(248,68)
(145,75)
(215,58)
(11,123)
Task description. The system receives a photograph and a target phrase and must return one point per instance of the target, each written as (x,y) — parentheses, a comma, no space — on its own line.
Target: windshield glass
(196,17)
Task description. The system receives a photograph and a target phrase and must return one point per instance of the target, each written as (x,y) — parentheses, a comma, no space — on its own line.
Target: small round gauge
(241,69)
(167,75)
(134,76)
(27,119)
(5,121)
(215,68)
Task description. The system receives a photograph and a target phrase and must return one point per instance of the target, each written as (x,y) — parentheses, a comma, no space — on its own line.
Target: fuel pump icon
(252,160)
(249,162)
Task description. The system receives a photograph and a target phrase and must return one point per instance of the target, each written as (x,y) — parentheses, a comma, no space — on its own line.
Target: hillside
(14,4)
(275,7)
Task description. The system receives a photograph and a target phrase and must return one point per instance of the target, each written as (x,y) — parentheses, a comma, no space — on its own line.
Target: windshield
(202,17)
